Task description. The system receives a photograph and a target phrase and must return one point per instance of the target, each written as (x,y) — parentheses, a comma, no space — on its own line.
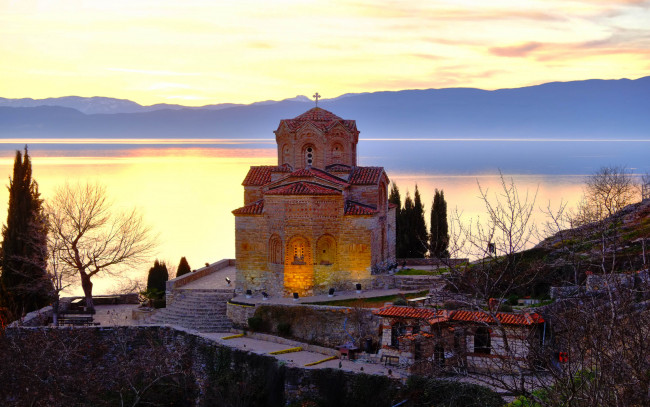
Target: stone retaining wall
(215,374)
(317,324)
(431,262)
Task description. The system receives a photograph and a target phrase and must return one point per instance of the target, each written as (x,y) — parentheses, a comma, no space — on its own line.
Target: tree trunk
(87,286)
(55,311)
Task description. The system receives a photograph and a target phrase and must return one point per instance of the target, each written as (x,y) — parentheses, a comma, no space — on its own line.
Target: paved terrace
(217,280)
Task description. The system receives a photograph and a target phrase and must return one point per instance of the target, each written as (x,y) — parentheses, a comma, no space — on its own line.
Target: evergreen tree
(406,219)
(183,267)
(26,286)
(157,277)
(418,227)
(396,199)
(439,237)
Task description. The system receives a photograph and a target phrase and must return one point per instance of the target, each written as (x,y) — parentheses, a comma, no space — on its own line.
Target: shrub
(157,277)
(183,267)
(255,323)
(284,329)
(505,308)
(400,301)
(450,393)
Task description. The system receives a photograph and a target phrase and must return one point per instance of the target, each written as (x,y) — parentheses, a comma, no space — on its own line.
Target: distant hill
(580,109)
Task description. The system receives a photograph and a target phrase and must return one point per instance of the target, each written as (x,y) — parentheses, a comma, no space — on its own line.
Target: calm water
(187,190)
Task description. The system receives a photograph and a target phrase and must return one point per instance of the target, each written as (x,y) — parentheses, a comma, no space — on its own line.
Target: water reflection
(188,192)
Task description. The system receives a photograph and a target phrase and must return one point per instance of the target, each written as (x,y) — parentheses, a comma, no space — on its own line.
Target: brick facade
(316,220)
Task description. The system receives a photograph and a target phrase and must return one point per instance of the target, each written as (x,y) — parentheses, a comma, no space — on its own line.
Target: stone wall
(214,374)
(317,324)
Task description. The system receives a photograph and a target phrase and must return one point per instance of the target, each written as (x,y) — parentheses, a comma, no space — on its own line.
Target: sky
(198,52)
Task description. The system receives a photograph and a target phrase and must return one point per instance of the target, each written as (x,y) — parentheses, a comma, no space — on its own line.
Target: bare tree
(494,243)
(94,240)
(606,192)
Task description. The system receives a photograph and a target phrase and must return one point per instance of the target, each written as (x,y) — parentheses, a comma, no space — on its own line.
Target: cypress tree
(418,227)
(439,240)
(183,267)
(407,235)
(157,277)
(396,199)
(24,280)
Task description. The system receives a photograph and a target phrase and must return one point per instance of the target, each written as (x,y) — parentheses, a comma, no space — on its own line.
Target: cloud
(168,85)
(153,72)
(521,50)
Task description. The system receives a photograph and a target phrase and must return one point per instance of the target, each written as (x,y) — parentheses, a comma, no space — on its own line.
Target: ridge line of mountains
(599,109)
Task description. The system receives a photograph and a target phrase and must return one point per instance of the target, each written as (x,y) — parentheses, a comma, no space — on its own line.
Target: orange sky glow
(199,52)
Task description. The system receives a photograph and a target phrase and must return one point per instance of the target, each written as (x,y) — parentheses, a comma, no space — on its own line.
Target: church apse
(316,220)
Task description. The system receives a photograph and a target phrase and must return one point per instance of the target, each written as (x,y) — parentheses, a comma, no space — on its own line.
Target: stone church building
(316,220)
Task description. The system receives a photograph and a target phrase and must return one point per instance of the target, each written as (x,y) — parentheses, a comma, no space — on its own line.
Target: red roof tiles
(436,316)
(254,208)
(320,118)
(315,172)
(355,208)
(365,175)
(259,175)
(338,168)
(303,188)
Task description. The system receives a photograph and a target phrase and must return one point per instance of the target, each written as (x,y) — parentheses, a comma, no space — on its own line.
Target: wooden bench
(77,320)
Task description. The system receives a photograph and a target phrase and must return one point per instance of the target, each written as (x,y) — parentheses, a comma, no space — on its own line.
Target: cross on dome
(316,96)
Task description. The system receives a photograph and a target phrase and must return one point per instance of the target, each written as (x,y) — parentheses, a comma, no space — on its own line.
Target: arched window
(482,341)
(275,249)
(298,251)
(310,154)
(337,152)
(326,250)
(285,154)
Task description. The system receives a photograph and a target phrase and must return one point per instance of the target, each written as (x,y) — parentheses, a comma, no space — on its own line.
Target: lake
(187,189)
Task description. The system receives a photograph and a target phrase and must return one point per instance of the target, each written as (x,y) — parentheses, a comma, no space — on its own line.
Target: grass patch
(417,272)
(372,302)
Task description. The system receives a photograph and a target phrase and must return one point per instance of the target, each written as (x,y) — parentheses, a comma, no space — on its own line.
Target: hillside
(581,109)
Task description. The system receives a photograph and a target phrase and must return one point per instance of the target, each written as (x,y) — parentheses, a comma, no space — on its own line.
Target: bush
(400,301)
(255,323)
(159,303)
(157,277)
(284,329)
(183,267)
(450,393)
(513,299)
(505,308)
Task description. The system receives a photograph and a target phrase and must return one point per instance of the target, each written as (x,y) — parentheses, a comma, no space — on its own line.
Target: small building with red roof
(317,220)
(431,340)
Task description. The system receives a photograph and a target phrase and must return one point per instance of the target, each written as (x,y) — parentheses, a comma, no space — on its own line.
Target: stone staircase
(201,310)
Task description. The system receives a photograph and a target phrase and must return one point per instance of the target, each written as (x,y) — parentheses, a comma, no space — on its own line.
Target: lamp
(249,293)
(295,296)
(330,293)
(358,287)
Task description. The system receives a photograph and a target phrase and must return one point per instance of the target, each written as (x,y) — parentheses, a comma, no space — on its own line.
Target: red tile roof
(259,175)
(320,118)
(254,208)
(303,188)
(356,208)
(365,175)
(315,172)
(338,168)
(436,316)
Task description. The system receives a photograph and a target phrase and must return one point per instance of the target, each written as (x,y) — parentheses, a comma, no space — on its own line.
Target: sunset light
(202,52)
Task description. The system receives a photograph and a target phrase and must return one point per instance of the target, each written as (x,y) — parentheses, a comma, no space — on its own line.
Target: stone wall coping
(289,342)
(430,261)
(199,273)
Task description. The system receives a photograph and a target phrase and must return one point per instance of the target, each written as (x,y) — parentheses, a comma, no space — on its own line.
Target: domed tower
(317,138)
(316,220)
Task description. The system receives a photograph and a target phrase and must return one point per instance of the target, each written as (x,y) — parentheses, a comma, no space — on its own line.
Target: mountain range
(612,109)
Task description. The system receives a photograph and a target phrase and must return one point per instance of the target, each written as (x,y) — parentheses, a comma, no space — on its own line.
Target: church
(315,221)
